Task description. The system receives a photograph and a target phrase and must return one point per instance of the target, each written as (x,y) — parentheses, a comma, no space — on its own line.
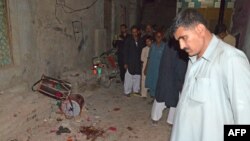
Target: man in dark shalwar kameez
(132,62)
(172,71)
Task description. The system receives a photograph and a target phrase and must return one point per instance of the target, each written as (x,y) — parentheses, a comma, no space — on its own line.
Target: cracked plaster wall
(50,36)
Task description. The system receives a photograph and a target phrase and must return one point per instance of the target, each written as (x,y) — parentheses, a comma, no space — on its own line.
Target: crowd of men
(202,79)
(151,64)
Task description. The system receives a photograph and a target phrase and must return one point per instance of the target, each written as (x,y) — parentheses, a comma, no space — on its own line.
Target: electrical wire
(68,9)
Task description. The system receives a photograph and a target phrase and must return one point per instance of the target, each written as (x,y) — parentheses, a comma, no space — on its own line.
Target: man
(118,43)
(132,62)
(216,90)
(144,59)
(172,71)
(154,59)
(149,31)
(225,36)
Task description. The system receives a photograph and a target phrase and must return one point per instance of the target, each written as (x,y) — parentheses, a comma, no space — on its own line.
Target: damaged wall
(51,36)
(66,32)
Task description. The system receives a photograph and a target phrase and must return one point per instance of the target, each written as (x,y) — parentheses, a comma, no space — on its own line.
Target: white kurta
(216,92)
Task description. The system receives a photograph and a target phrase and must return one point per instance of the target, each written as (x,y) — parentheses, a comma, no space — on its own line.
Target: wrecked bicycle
(105,68)
(69,104)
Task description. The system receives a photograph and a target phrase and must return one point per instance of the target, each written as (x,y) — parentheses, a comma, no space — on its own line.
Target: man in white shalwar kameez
(216,90)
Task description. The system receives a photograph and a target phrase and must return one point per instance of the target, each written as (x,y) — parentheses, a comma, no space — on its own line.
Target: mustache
(185,48)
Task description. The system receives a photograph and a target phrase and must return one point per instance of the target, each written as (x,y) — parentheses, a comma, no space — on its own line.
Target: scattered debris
(53,130)
(116,109)
(112,129)
(134,137)
(59,112)
(73,75)
(69,138)
(33,111)
(62,129)
(136,94)
(59,119)
(28,130)
(129,128)
(91,132)
(28,138)
(31,117)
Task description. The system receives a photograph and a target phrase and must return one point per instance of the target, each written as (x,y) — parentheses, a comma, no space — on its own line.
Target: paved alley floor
(107,115)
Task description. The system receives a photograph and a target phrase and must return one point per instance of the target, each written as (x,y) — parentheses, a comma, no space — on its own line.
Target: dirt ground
(107,115)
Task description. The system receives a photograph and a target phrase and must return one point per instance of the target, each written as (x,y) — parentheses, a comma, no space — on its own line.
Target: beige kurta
(144,58)
(230,39)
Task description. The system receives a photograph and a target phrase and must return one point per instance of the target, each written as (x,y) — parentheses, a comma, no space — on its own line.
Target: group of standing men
(147,62)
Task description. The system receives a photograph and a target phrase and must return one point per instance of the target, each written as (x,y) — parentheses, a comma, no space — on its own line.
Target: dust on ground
(107,115)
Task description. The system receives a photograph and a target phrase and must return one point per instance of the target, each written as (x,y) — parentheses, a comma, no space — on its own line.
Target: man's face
(148,42)
(135,32)
(149,29)
(123,29)
(190,40)
(158,37)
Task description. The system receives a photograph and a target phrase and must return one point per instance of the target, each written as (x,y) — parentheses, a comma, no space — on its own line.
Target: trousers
(157,110)
(131,83)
